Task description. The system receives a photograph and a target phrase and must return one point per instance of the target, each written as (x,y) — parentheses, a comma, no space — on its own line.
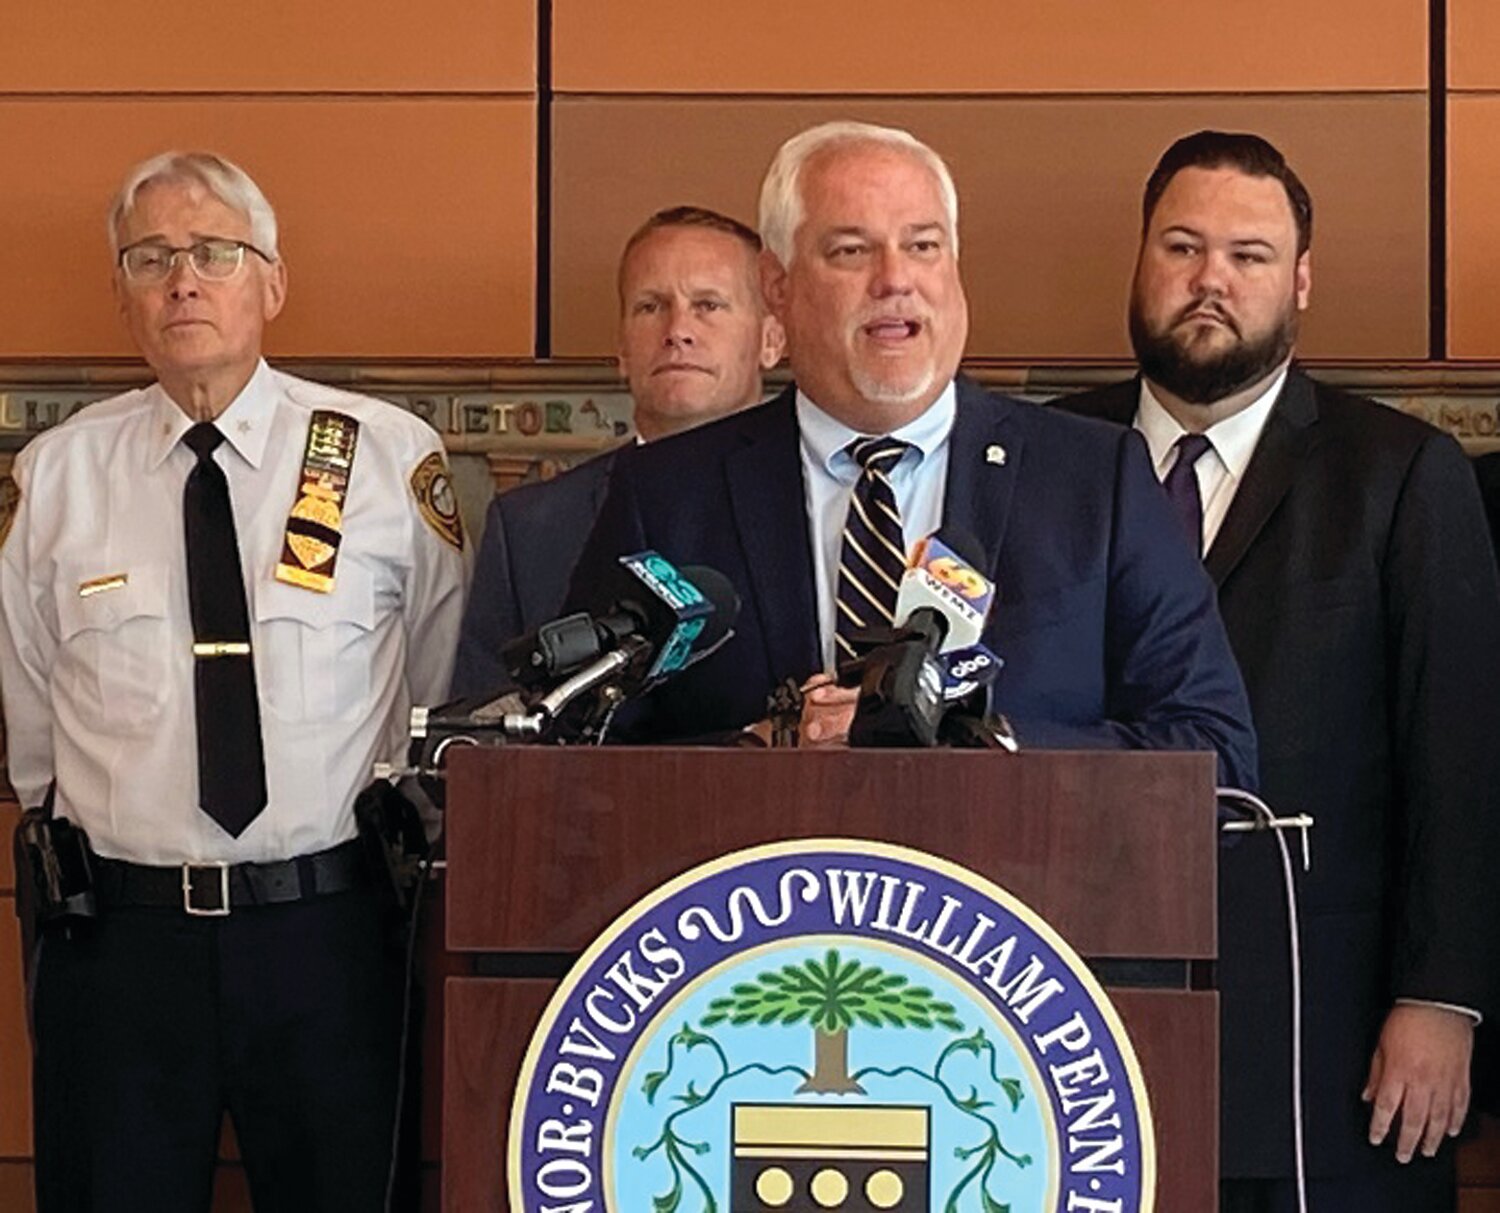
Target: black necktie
(872,557)
(1182,486)
(231,767)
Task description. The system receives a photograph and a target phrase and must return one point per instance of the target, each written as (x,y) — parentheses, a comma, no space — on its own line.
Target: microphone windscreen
(719,591)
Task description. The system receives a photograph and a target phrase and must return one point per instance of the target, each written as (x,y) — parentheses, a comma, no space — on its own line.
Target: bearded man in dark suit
(694,339)
(1349,548)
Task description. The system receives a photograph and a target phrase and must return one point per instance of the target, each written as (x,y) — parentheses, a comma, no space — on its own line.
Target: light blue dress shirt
(829,473)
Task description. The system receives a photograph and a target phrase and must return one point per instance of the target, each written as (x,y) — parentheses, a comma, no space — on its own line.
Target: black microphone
(577,668)
(931,664)
(646,597)
(641,652)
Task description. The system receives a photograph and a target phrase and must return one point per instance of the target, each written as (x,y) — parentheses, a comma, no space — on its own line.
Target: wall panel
(132,46)
(1473,44)
(407,224)
(1050,193)
(1473,235)
(881,46)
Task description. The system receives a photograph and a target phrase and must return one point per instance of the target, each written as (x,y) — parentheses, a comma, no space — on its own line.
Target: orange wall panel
(881,46)
(1473,44)
(1050,199)
(1473,235)
(407,225)
(100,46)
(15,1046)
(16,1193)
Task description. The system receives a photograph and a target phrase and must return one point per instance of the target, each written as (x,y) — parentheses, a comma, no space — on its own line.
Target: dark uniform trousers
(150,1023)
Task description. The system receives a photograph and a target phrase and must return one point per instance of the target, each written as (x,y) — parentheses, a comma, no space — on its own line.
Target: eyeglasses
(213,260)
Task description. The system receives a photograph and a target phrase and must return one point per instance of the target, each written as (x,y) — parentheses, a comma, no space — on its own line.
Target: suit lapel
(1290,433)
(984,459)
(769,504)
(606,464)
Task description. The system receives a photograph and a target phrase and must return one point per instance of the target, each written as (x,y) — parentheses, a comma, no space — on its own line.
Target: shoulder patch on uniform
(432,486)
(10,502)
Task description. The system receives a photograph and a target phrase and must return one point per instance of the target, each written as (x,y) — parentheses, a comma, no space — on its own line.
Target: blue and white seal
(830,1024)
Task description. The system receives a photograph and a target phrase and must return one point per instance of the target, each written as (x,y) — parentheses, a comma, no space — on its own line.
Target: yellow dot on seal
(884,1189)
(829,1188)
(774,1187)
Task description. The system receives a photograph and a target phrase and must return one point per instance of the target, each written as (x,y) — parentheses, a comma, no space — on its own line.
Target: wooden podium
(1115,850)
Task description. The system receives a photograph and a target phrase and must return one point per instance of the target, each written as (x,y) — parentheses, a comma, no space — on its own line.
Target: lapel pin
(995,454)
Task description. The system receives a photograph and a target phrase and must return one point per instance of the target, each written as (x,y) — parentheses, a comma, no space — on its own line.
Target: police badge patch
(433,488)
(830,1024)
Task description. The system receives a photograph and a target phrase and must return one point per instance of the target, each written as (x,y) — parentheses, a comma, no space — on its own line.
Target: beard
(1165,360)
(882,391)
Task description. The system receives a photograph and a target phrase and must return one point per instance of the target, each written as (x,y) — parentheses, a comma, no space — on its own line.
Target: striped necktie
(872,556)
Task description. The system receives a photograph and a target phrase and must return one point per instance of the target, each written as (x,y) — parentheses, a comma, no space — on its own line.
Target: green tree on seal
(830,996)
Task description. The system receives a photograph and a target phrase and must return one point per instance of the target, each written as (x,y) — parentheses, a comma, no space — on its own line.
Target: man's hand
(827,711)
(1420,1069)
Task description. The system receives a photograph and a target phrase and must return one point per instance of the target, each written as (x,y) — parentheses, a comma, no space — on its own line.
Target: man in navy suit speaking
(1104,617)
(694,339)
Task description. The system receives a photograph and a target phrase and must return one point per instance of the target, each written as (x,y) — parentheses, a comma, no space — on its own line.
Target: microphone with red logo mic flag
(925,681)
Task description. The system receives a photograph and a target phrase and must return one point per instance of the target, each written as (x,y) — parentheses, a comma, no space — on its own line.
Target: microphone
(577,669)
(931,666)
(641,660)
(944,590)
(649,599)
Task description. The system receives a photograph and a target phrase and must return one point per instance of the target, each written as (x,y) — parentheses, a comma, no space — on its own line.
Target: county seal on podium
(830,1024)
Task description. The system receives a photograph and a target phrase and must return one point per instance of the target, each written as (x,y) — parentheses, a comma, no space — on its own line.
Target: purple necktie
(1182,486)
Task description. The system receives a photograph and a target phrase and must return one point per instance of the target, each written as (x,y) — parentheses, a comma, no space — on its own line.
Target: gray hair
(781,208)
(225,180)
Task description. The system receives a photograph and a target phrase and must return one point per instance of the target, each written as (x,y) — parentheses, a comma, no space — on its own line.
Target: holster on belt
(54,873)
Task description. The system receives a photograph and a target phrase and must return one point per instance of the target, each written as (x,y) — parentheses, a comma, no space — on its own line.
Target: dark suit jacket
(1361,599)
(1487,468)
(532,539)
(1104,618)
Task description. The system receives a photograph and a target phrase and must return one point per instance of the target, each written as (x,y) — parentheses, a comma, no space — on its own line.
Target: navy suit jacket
(1360,594)
(533,536)
(1104,617)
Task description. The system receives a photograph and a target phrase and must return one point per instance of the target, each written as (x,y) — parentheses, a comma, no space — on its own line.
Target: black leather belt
(213,889)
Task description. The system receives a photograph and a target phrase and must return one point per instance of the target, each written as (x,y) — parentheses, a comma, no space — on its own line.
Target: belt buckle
(220,911)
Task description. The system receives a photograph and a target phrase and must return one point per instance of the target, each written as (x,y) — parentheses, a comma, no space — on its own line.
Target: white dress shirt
(98,687)
(1221,468)
(829,473)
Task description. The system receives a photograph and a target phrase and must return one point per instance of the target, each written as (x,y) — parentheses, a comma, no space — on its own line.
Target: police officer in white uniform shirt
(219,597)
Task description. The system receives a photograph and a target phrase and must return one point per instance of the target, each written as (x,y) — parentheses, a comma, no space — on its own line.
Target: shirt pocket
(115,651)
(314,652)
